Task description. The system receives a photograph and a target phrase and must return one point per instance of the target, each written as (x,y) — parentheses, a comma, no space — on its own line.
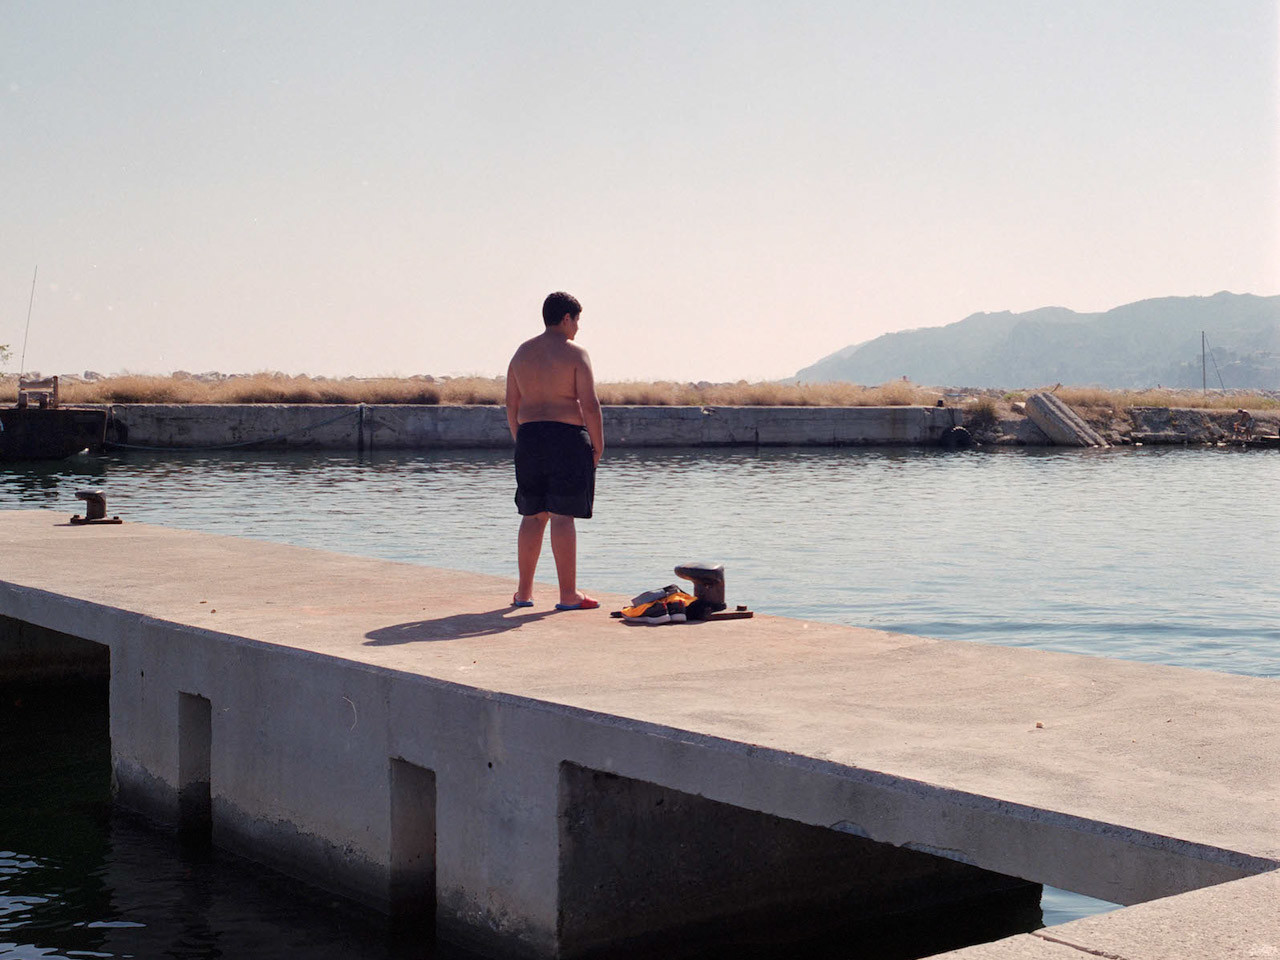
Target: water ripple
(1151,554)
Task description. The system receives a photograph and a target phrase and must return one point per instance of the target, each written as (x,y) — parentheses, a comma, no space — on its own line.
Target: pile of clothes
(667,604)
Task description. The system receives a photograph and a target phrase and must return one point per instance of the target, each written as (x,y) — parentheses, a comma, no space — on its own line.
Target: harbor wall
(372,427)
(365,428)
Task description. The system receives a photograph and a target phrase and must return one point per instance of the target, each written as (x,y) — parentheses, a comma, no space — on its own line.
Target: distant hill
(1134,346)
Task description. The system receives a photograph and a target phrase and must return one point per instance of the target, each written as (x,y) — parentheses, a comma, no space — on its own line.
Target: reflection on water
(78,879)
(47,484)
(1158,555)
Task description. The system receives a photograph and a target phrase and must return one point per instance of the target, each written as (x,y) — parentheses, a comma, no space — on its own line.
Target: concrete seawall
(369,427)
(552,784)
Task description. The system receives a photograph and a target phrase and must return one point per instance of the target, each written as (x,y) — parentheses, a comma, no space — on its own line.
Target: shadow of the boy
(459,626)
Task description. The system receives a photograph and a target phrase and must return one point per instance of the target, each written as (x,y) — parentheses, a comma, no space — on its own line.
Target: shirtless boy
(555,420)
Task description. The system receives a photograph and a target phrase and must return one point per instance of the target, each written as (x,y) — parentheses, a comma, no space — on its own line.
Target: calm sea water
(1163,555)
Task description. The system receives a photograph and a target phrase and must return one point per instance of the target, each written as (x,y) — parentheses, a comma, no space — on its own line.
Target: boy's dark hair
(557,305)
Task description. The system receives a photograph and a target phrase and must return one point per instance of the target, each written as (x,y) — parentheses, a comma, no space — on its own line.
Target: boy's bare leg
(528,549)
(564,547)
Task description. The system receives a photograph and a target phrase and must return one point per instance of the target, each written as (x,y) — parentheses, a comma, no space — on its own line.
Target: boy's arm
(513,401)
(584,382)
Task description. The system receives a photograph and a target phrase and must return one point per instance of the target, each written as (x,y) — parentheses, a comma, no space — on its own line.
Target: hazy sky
(733,189)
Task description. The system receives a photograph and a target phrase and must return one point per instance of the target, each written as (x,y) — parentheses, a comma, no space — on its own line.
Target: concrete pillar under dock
(558,784)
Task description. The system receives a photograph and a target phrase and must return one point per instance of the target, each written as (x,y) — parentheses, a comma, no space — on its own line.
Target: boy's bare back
(549,372)
(550,379)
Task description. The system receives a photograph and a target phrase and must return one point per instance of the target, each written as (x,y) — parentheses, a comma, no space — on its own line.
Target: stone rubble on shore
(1138,425)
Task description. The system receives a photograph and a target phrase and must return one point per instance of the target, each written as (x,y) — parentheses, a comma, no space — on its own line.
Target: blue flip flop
(586,603)
(522,603)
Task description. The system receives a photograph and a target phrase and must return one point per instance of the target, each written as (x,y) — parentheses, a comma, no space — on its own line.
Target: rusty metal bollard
(95,508)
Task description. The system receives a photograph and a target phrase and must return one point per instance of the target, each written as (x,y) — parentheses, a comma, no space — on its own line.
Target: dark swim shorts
(555,469)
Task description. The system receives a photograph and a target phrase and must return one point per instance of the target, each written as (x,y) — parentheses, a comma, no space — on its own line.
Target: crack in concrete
(1076,946)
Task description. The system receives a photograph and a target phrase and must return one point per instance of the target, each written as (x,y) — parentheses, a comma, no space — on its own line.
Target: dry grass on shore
(742,394)
(274,388)
(280,388)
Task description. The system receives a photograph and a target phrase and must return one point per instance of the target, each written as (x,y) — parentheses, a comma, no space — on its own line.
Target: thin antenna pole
(1204,376)
(22,365)
(1217,371)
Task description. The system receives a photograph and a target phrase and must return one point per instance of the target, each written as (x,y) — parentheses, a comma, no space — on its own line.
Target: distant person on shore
(1243,426)
(555,420)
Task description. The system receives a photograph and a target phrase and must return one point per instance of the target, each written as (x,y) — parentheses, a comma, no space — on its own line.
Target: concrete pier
(553,784)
